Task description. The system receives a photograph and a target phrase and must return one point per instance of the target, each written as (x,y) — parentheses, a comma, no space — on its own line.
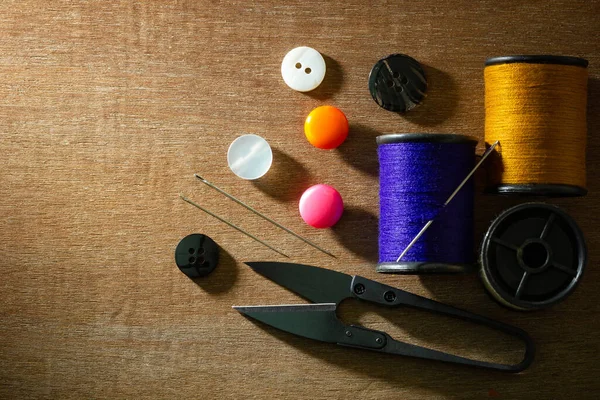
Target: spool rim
(496,289)
(537,59)
(425,138)
(424,267)
(538,189)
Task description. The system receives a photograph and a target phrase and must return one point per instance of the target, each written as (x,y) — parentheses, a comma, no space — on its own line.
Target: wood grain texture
(108,108)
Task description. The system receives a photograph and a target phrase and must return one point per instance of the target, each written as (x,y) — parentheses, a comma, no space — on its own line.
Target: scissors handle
(375,292)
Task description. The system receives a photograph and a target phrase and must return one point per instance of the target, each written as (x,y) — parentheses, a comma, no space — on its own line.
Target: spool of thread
(417,174)
(536,107)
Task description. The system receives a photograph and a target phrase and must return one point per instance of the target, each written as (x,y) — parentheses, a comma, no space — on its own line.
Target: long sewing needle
(277,224)
(231,225)
(428,224)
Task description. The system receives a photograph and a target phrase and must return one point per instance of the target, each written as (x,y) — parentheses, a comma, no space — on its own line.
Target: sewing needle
(277,224)
(231,225)
(428,224)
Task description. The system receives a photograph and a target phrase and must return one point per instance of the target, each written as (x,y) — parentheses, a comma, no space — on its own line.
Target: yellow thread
(538,113)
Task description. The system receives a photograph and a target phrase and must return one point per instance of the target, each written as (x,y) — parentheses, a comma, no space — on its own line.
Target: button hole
(389,83)
(399,89)
(404,80)
(308,70)
(298,65)
(191,250)
(396,74)
(192,260)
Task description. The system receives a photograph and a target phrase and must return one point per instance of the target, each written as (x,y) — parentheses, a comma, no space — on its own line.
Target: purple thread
(415,180)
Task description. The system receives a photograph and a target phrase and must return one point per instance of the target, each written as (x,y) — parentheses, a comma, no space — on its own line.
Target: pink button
(321,206)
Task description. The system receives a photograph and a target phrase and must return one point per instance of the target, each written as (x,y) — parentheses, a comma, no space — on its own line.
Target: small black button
(397,83)
(197,255)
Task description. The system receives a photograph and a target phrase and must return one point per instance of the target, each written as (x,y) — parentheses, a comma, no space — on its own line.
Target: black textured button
(197,255)
(397,83)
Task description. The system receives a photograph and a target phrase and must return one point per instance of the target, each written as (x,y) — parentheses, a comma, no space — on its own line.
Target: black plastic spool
(532,256)
(538,189)
(397,83)
(424,267)
(197,255)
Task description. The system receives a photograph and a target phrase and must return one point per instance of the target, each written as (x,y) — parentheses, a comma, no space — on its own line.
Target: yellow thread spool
(536,107)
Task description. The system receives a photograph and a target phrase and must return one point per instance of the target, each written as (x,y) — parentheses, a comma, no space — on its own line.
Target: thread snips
(327,288)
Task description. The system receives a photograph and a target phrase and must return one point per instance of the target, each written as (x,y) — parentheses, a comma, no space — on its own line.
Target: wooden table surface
(107,109)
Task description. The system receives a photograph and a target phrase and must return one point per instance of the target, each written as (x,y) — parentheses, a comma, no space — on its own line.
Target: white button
(249,156)
(303,69)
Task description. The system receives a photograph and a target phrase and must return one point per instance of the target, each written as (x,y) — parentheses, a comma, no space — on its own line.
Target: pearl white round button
(249,156)
(303,69)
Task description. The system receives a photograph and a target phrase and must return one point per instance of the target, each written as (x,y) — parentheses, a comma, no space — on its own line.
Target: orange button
(326,127)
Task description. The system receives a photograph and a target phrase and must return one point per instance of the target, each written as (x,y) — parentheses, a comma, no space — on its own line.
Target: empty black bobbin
(532,256)
(197,255)
(397,83)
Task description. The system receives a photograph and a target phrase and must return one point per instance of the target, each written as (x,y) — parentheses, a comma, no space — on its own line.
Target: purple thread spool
(418,172)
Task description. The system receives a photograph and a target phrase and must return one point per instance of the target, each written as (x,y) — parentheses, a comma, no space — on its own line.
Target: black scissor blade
(318,285)
(313,321)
